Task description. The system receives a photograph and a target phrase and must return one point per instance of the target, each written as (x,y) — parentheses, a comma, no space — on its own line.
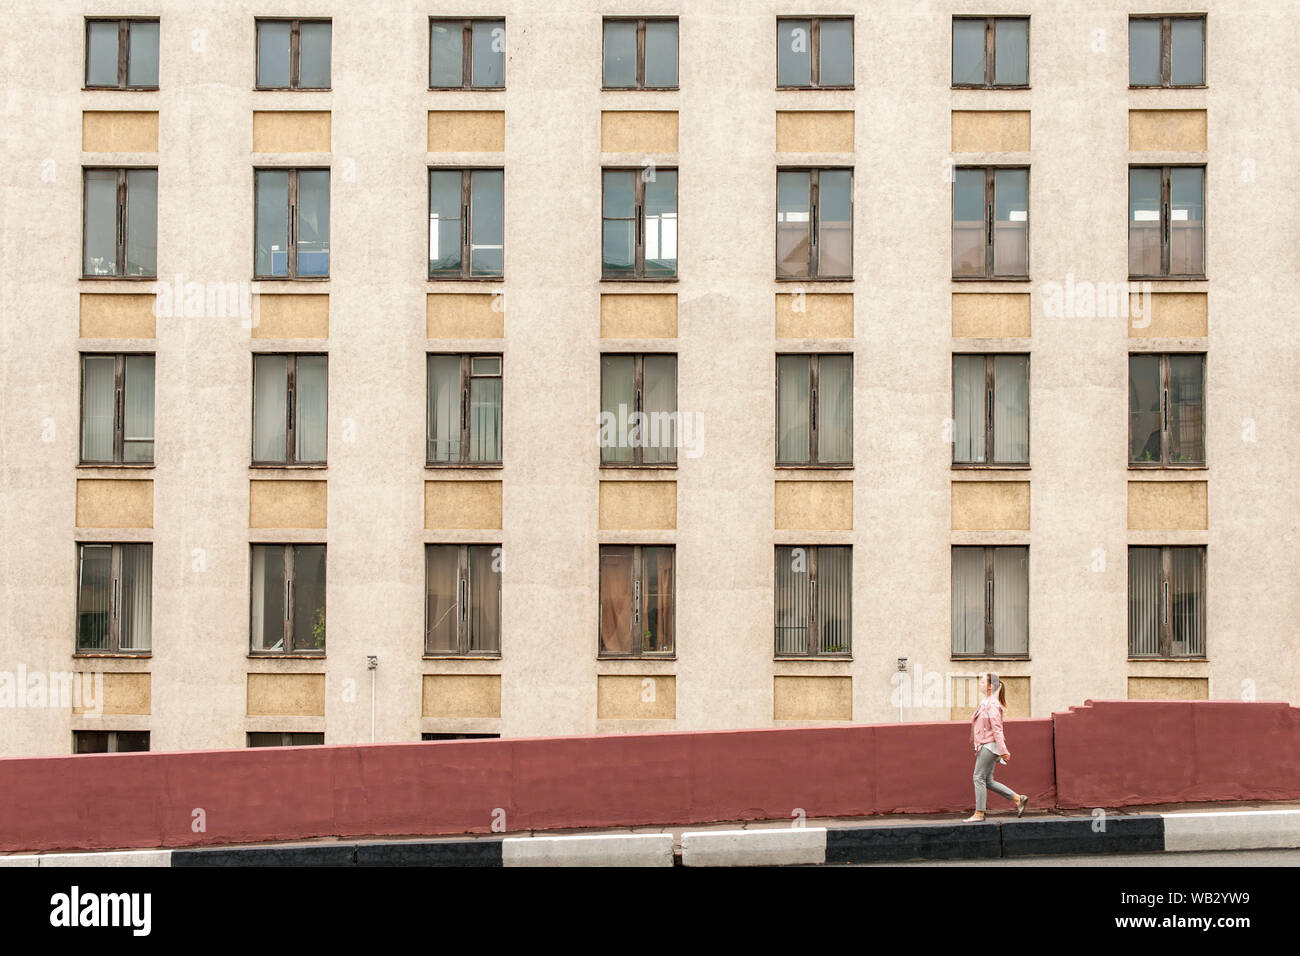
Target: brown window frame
(122,226)
(990,390)
(291,248)
(111,742)
(290,411)
(990,588)
(295,53)
(290,554)
(814,224)
(990,52)
(466,223)
(465,638)
(467,374)
(990,224)
(123,52)
(815,651)
(1166,219)
(466,52)
(814,448)
(1165,429)
(638,383)
(114,648)
(119,410)
(638,217)
(639,74)
(1167,51)
(814,52)
(640,603)
(1165,589)
(286,738)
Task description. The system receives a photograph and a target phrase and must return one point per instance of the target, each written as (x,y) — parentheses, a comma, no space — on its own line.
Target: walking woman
(986,738)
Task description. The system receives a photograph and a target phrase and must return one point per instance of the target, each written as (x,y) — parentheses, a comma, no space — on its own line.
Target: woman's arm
(995,719)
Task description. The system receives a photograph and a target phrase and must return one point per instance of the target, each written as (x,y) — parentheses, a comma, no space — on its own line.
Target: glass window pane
(793,418)
(142,222)
(142,62)
(90,741)
(616,600)
(618,245)
(98,395)
(1011,409)
(620,194)
(1187,221)
(488,40)
(794,53)
(442,598)
(835,222)
(138,408)
(309,408)
(487,204)
(1144,611)
(793,224)
(620,53)
(94,563)
(270,408)
(1010,601)
(100,251)
(968,223)
(657,616)
(834,600)
(1144,52)
(308,593)
(967,52)
(1186,409)
(484,598)
(132,741)
(1144,221)
(791,601)
(1187,602)
(273,53)
(617,406)
(314,222)
(659,402)
(272,223)
(485,419)
(101,52)
(1144,408)
(444,222)
(1010,52)
(1187,52)
(661,53)
(135,614)
(446,59)
(267,626)
(968,597)
(314,55)
(444,408)
(969,409)
(485,365)
(661,224)
(835,409)
(1011,222)
(836,65)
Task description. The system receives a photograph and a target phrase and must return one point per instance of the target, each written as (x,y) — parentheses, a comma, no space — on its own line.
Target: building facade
(405,369)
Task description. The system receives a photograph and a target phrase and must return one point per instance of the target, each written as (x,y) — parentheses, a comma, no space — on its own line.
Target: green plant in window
(318,628)
(648,640)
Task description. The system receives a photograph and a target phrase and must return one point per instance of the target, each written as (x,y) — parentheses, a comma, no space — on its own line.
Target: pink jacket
(986,726)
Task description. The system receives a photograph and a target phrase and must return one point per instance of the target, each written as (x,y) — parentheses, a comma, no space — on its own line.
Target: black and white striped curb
(761,846)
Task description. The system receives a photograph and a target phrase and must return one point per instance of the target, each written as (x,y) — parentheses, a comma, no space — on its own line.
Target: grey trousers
(985,761)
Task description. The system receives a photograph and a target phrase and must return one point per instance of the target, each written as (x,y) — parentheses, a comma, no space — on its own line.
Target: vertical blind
(794,434)
(792,600)
(968,388)
(834,599)
(1011,409)
(1010,601)
(97,407)
(835,409)
(135,616)
(310,401)
(138,408)
(968,600)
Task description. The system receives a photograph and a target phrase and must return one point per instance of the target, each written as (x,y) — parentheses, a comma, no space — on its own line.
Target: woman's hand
(1006,758)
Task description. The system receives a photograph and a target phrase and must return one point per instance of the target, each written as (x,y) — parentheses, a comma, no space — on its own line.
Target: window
(462,600)
(293,223)
(117,409)
(110,741)
(293,54)
(990,409)
(990,223)
(637,612)
(1166,51)
(814,409)
(814,601)
(639,239)
(466,223)
(288,599)
(114,598)
(1166,409)
(464,410)
(1166,602)
(120,228)
(460,736)
(638,409)
(990,51)
(467,54)
(814,224)
(1166,227)
(640,54)
(264,739)
(289,409)
(122,54)
(814,53)
(990,602)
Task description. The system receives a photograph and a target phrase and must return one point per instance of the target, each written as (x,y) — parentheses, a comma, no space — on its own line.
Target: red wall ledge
(1114,753)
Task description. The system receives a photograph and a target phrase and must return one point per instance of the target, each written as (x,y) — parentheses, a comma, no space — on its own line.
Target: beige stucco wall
(907,318)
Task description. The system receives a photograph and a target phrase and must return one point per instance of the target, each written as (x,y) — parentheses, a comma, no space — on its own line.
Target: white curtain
(444,408)
(659,402)
(793,432)
(967,600)
(1010,600)
(618,402)
(135,618)
(485,419)
(267,625)
(1011,409)
(310,407)
(968,408)
(97,373)
(270,413)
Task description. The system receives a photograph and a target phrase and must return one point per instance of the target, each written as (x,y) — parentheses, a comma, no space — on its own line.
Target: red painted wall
(449,787)
(1112,753)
